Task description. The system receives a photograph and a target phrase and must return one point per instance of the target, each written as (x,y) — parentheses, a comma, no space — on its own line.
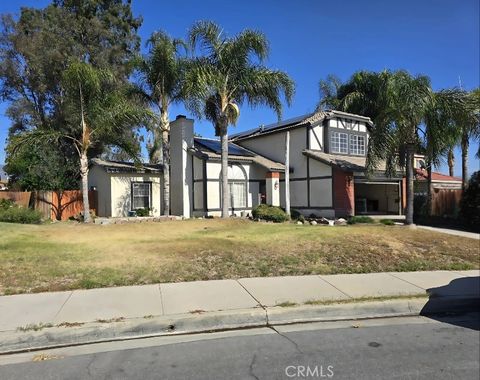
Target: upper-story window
(357,145)
(339,142)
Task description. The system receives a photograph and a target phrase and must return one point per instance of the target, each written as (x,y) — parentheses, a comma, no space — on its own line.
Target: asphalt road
(397,348)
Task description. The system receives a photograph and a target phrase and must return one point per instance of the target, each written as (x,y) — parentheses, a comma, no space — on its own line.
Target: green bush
(296,215)
(270,213)
(11,213)
(360,219)
(6,203)
(142,212)
(470,204)
(387,222)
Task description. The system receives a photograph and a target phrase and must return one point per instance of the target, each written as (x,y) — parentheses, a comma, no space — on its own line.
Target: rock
(341,222)
(313,223)
(323,221)
(331,222)
(300,223)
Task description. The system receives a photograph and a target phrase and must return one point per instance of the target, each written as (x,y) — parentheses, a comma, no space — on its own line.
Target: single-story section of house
(123,187)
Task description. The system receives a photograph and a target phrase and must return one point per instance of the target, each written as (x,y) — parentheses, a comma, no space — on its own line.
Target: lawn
(60,256)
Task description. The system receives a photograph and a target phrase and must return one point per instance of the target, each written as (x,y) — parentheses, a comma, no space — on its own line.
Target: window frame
(132,184)
(356,138)
(333,133)
(243,183)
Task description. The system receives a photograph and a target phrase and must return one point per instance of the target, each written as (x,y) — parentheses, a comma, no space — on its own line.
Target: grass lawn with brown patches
(61,256)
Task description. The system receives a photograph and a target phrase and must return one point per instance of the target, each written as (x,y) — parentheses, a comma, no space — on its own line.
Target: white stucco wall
(316,134)
(121,187)
(98,177)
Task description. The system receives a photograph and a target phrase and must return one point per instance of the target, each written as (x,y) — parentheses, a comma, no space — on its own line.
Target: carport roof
(343,162)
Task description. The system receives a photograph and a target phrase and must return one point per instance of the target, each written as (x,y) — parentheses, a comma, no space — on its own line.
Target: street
(402,348)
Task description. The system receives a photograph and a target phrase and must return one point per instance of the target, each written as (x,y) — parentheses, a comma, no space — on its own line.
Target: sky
(310,39)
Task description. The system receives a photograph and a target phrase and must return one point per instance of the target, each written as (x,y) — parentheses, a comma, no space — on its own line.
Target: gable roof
(126,167)
(210,149)
(308,119)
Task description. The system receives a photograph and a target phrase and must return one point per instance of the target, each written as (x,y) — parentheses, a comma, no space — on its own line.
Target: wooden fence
(21,198)
(446,202)
(62,205)
(59,205)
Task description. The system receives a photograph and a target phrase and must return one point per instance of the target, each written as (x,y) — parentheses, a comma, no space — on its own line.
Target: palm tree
(98,113)
(396,102)
(229,72)
(329,92)
(160,84)
(469,121)
(441,131)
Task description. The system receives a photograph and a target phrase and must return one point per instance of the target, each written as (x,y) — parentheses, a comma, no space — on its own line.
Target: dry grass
(69,255)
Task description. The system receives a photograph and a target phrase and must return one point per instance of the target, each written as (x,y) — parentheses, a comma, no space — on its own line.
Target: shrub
(14,214)
(470,204)
(142,212)
(387,222)
(296,215)
(360,219)
(6,203)
(270,213)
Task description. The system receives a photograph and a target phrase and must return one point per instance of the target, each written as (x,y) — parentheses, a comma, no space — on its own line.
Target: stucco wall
(121,192)
(98,177)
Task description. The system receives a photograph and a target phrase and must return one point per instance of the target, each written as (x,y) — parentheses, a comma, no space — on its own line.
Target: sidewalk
(449,231)
(32,319)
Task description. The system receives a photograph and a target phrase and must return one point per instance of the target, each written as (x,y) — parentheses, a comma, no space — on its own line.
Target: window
(238,194)
(357,145)
(339,142)
(141,195)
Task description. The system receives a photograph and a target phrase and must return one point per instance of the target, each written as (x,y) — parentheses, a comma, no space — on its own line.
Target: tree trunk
(225,188)
(465,144)
(156,155)
(166,172)
(84,175)
(451,162)
(409,169)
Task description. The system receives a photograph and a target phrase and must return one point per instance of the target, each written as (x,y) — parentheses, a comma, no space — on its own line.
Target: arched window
(237,182)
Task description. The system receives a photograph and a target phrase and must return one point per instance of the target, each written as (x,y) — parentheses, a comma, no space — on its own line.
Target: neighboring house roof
(299,121)
(126,167)
(346,163)
(211,149)
(422,175)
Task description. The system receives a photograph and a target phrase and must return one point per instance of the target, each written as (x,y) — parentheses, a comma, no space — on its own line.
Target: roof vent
(261,128)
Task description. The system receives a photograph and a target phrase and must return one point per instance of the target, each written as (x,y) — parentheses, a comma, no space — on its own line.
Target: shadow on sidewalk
(451,303)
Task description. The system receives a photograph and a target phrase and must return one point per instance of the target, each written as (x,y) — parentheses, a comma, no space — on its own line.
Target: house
(123,187)
(327,169)
(327,172)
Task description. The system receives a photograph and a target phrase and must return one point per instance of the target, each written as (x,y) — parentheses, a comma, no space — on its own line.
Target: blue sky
(310,39)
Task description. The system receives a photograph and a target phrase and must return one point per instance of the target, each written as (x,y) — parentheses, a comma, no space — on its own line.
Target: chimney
(181,181)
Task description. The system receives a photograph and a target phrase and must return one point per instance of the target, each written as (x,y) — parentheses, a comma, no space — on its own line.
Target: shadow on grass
(457,303)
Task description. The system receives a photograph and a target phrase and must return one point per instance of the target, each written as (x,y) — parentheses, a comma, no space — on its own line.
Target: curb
(138,328)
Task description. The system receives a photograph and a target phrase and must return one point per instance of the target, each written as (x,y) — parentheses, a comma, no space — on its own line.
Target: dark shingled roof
(208,149)
(310,118)
(126,167)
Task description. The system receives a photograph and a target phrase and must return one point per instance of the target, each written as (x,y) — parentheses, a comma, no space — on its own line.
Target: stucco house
(327,168)
(327,172)
(122,187)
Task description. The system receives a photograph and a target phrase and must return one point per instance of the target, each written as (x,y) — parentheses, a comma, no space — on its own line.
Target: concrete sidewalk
(449,231)
(223,301)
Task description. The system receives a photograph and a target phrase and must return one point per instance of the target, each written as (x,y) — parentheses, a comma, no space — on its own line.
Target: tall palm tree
(98,113)
(441,131)
(396,102)
(229,72)
(469,121)
(329,92)
(161,76)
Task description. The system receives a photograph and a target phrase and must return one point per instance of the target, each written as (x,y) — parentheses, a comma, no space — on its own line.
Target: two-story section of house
(327,165)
